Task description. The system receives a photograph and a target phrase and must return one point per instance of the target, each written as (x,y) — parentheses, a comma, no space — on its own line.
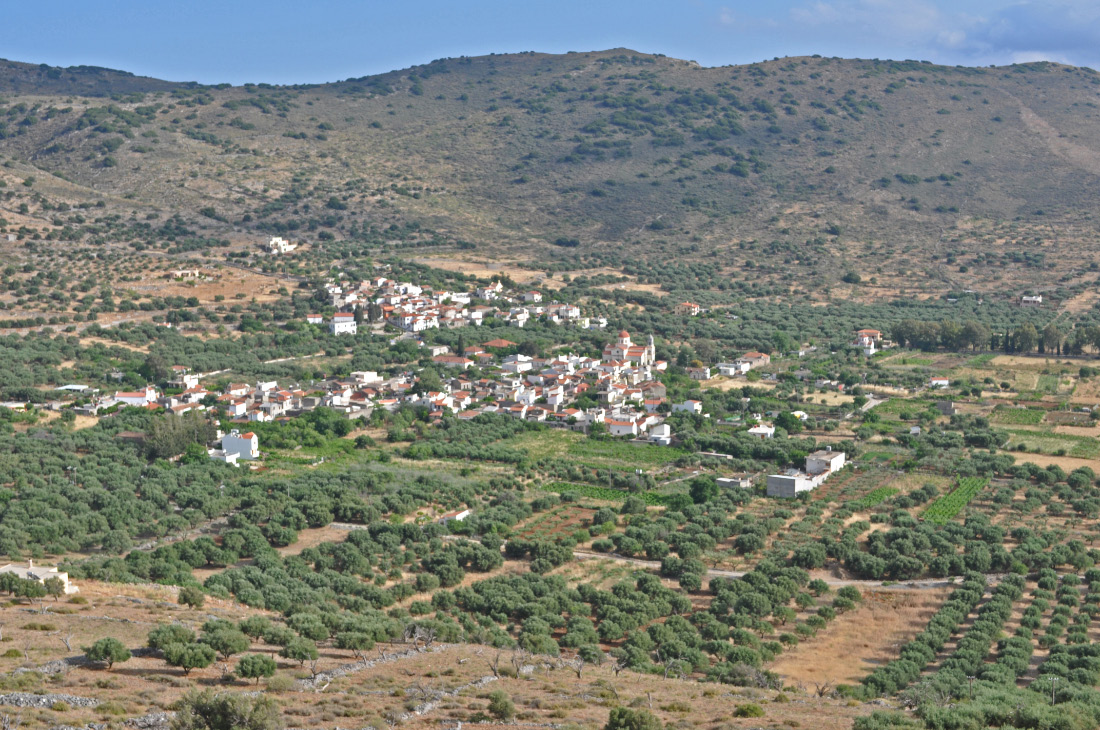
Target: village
(619,394)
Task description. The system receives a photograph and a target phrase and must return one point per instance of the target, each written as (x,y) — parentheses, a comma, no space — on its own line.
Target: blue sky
(279,41)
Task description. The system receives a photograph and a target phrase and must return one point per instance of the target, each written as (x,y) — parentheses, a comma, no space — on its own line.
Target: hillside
(794,171)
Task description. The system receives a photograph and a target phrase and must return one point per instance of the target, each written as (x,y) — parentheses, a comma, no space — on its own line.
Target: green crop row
(874,497)
(944,509)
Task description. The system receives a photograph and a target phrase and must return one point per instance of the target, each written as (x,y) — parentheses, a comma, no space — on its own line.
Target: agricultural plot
(621,454)
(1018,416)
(603,494)
(944,509)
(1056,444)
(877,496)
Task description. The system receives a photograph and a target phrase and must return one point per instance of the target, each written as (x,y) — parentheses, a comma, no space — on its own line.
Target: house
(754,359)
(182,377)
(825,460)
(1029,301)
(734,482)
(532,296)
(499,344)
(29,572)
(730,369)
(453,361)
(245,445)
(315,319)
(939,382)
(621,428)
(866,340)
(702,373)
(457,515)
(137,398)
(661,434)
(873,335)
(689,308)
(343,324)
(762,431)
(946,407)
(688,406)
(278,245)
(434,350)
(221,455)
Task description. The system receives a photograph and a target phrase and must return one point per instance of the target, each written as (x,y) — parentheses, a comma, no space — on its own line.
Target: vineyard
(1018,416)
(603,453)
(875,497)
(944,509)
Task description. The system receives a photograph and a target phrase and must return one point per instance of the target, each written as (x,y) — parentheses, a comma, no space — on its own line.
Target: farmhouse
(762,431)
(278,245)
(29,572)
(456,516)
(1028,301)
(939,382)
(689,308)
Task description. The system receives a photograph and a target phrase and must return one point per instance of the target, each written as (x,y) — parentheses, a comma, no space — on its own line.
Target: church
(624,349)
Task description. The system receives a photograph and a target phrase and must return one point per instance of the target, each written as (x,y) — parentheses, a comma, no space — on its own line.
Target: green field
(944,509)
(620,453)
(1018,416)
(605,494)
(875,497)
(1046,442)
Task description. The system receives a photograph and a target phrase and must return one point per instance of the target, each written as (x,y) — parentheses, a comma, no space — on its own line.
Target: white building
(734,482)
(825,460)
(137,398)
(246,445)
(343,324)
(688,406)
(456,516)
(661,435)
(29,572)
(819,466)
(730,369)
(762,431)
(277,245)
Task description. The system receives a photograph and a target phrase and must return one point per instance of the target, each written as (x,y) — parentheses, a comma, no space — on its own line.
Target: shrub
(749,710)
(501,706)
(208,710)
(623,718)
(192,597)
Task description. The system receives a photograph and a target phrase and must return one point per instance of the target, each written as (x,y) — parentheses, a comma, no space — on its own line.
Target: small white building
(343,324)
(457,516)
(731,369)
(30,572)
(939,382)
(661,435)
(1032,301)
(278,245)
(315,319)
(688,406)
(762,431)
(247,445)
(825,460)
(137,398)
(734,482)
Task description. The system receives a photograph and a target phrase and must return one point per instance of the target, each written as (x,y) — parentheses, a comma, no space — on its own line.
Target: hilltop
(794,172)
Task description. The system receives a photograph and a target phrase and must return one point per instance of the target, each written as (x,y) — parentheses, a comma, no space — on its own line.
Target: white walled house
(137,398)
(246,445)
(688,406)
(30,572)
(825,461)
(343,324)
(661,435)
(621,428)
(762,431)
(277,245)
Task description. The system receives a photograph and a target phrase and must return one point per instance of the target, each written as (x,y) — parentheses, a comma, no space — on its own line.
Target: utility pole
(971,678)
(1053,684)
